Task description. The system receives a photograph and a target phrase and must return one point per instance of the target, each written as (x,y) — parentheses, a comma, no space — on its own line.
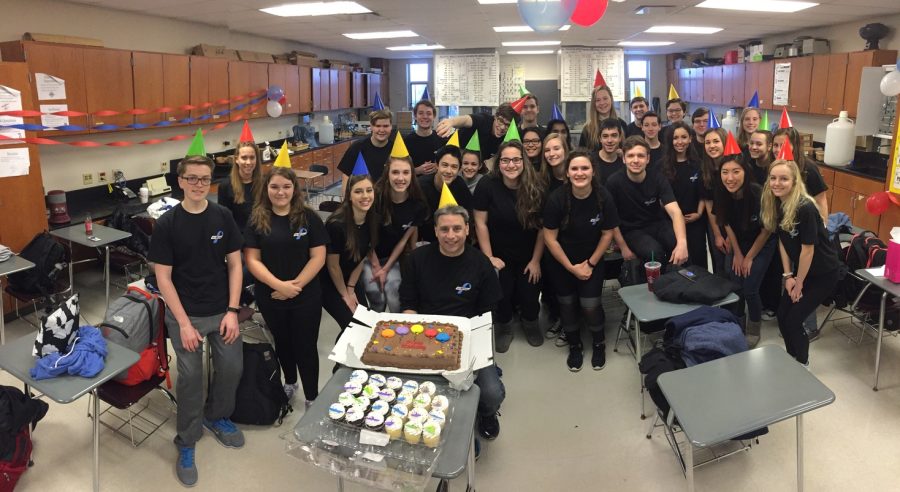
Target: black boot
(503,336)
(532,333)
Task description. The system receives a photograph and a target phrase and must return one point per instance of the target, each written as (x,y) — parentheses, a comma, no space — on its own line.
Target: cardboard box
(282,59)
(404,120)
(254,56)
(214,51)
(57,38)
(304,58)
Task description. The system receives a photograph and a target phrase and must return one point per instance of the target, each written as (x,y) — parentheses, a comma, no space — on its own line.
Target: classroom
(467,140)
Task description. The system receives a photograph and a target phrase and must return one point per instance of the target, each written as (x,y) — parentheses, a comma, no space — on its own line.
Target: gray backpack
(133,319)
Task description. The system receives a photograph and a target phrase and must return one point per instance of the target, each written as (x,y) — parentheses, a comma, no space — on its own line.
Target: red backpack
(154,359)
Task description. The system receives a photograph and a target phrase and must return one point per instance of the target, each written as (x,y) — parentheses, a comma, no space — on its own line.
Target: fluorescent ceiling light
(532,43)
(645,43)
(495,2)
(316,8)
(684,30)
(783,6)
(416,47)
(524,28)
(531,52)
(381,35)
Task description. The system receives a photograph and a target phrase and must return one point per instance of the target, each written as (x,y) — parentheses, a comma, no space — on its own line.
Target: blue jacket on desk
(85,357)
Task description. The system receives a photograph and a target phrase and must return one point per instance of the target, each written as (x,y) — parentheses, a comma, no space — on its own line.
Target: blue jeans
(750,285)
(493,392)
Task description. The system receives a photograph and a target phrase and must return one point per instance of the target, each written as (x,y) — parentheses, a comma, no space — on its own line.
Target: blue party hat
(360,168)
(556,114)
(377,105)
(713,121)
(754,101)
(425,95)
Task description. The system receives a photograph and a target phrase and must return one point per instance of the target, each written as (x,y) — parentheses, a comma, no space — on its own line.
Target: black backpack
(49,258)
(864,251)
(260,398)
(139,242)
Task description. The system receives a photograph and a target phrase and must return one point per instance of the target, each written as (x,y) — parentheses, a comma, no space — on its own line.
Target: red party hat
(731,145)
(519,103)
(787,152)
(785,119)
(246,134)
(599,81)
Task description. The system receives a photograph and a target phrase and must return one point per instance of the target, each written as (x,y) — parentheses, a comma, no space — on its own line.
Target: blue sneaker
(225,432)
(185,468)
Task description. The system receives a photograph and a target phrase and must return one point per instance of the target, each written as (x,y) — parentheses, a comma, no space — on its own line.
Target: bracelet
(592,265)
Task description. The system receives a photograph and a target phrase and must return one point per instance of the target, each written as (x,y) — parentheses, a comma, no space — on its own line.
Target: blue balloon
(546,15)
(275,93)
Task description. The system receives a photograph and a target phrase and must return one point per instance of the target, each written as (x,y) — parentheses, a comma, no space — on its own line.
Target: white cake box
(477,342)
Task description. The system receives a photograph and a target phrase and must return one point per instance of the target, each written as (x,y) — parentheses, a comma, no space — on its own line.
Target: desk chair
(59,287)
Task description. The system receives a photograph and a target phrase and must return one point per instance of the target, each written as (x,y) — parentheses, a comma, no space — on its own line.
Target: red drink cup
(652,269)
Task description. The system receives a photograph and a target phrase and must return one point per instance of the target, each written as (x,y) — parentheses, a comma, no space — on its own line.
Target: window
(417,77)
(638,78)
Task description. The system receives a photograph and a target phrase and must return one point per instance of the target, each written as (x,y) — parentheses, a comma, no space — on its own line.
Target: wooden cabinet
(286,77)
(751,80)
(733,85)
(374,83)
(316,77)
(238,85)
(855,63)
(200,84)
(306,91)
(801,79)
(766,84)
(359,91)
(849,196)
(828,176)
(259,83)
(321,88)
(712,85)
(218,87)
(160,81)
(826,92)
(344,89)
(819,81)
(109,85)
(334,89)
(697,75)
(176,87)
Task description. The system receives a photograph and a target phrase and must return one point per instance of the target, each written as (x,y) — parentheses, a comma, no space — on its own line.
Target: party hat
(754,101)
(556,114)
(197,147)
(523,90)
(359,168)
(731,145)
(787,152)
(518,104)
(425,95)
(473,143)
(377,105)
(284,156)
(512,133)
(764,121)
(599,81)
(785,119)
(246,134)
(673,94)
(446,197)
(713,121)
(399,148)
(454,140)
(637,91)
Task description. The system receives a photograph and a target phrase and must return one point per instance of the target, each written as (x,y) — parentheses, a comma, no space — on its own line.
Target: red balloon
(588,12)
(878,203)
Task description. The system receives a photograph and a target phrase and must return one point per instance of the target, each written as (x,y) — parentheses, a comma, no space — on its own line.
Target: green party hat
(197,147)
(512,133)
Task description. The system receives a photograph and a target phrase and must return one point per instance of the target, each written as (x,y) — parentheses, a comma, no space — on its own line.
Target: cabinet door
(238,85)
(855,63)
(801,80)
(219,86)
(306,92)
(766,84)
(359,90)
(334,89)
(736,81)
(176,86)
(344,88)
(200,85)
(842,200)
(259,82)
(317,89)
(834,88)
(712,85)
(65,63)
(148,85)
(291,89)
(751,80)
(325,89)
(109,85)
(697,84)
(819,81)
(374,87)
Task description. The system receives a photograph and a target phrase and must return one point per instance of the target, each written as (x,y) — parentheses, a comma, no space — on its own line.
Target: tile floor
(560,431)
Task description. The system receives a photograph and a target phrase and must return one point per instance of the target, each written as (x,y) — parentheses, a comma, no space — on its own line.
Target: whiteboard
(578,66)
(467,79)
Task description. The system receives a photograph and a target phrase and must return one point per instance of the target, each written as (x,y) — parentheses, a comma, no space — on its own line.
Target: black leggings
(548,295)
(791,315)
(517,290)
(334,304)
(296,332)
(696,243)
(655,241)
(574,294)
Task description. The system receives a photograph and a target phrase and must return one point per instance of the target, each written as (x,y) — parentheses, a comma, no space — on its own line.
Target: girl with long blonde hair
(602,107)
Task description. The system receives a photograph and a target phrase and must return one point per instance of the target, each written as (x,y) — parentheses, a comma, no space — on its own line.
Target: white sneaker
(768,315)
(290,389)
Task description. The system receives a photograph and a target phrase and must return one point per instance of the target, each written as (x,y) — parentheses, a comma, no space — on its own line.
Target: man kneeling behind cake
(455,279)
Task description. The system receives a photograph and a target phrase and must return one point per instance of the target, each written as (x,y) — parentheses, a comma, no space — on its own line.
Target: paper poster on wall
(512,76)
(467,79)
(782,84)
(53,120)
(49,88)
(14,162)
(578,67)
(10,100)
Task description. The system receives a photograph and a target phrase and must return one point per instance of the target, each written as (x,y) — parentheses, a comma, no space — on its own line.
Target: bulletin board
(471,79)
(578,67)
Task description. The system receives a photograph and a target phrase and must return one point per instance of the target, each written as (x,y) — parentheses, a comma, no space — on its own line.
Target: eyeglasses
(192,180)
(510,160)
(531,141)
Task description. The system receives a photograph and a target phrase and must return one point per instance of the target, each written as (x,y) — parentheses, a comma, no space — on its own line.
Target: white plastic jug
(326,131)
(730,122)
(840,141)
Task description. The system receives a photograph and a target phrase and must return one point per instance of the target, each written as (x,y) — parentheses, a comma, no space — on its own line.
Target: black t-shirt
(195,246)
(483,123)
(586,222)
(760,174)
(458,188)
(285,252)
(604,169)
(809,230)
(509,239)
(464,285)
(632,129)
(338,245)
(688,186)
(375,157)
(583,139)
(553,184)
(699,147)
(744,217)
(813,180)
(656,157)
(640,204)
(240,212)
(409,213)
(422,149)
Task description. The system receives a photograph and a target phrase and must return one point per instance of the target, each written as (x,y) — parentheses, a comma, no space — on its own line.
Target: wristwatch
(234,310)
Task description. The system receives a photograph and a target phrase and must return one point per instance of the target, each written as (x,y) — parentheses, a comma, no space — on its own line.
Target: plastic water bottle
(144,193)
(326,131)
(730,122)
(88,226)
(840,141)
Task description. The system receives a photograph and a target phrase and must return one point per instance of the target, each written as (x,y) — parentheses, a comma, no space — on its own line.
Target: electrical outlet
(87,178)
(164,167)
(101,177)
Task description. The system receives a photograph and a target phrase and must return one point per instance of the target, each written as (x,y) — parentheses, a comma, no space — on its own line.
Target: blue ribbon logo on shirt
(300,233)
(695,177)
(650,201)
(215,238)
(794,232)
(595,220)
(406,225)
(463,288)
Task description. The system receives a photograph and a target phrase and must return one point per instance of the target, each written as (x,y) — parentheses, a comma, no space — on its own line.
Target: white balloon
(273,108)
(890,83)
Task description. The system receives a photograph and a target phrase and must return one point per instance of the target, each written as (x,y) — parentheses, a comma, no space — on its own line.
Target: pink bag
(892,262)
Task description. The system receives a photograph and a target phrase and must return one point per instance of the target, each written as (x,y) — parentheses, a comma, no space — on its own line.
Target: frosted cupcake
(394,426)
(412,432)
(359,376)
(346,399)
(377,380)
(422,400)
(405,399)
(370,391)
(362,402)
(440,402)
(374,421)
(354,416)
(336,412)
(353,387)
(437,416)
(394,383)
(387,395)
(427,388)
(411,386)
(399,411)
(417,414)
(431,434)
(381,407)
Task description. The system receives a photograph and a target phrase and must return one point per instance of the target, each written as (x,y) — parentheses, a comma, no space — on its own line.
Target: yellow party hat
(284,156)
(399,148)
(446,197)
(454,140)
(673,94)
(637,91)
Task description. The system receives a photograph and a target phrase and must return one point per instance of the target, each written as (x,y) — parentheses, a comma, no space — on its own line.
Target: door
(200,85)
(712,85)
(766,84)
(818,85)
(736,81)
(801,80)
(109,85)
(834,88)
